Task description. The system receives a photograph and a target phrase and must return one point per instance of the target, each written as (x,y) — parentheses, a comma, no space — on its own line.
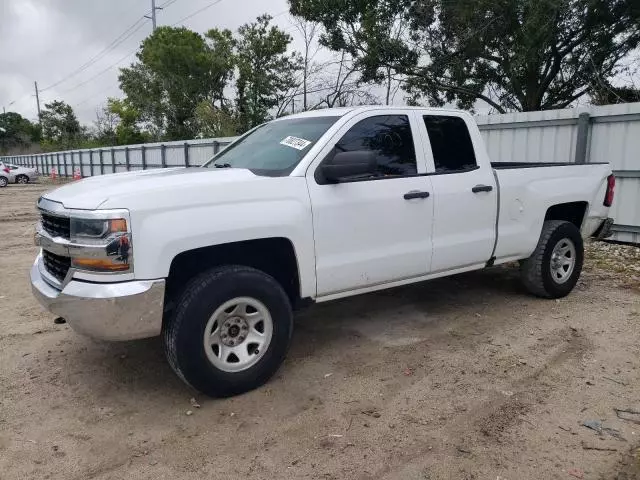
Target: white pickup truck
(307,208)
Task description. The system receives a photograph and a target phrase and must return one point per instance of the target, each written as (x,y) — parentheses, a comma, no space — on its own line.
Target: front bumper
(106,311)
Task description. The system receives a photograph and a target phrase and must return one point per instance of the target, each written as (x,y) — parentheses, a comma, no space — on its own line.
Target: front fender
(279,207)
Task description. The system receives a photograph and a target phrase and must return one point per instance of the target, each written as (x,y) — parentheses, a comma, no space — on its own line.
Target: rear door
(373,230)
(464,194)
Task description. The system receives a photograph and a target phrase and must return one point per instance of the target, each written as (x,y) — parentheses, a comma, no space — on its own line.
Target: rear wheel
(22,179)
(3,182)
(230,330)
(555,266)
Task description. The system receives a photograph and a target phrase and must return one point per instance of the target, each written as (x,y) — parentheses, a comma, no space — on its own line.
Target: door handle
(415,194)
(482,188)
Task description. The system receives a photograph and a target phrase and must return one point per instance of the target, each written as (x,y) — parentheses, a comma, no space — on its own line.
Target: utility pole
(153,13)
(38,102)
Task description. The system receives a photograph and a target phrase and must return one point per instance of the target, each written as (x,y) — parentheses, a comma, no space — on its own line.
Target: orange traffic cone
(54,173)
(76,174)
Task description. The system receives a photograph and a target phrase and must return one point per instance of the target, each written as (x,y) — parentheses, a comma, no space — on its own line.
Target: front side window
(450,143)
(389,137)
(275,148)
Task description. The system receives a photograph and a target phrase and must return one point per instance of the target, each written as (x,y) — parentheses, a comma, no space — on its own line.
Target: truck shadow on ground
(393,319)
(410,314)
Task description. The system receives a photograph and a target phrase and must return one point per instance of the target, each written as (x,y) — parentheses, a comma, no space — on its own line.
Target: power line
(166,4)
(101,92)
(121,38)
(101,72)
(197,12)
(116,42)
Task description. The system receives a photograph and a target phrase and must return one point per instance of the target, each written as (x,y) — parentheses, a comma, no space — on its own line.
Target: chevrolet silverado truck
(308,208)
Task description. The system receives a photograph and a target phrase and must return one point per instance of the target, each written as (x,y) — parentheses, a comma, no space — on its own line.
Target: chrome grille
(56,265)
(56,226)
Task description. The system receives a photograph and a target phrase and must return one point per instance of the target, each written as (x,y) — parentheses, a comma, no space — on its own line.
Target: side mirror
(349,164)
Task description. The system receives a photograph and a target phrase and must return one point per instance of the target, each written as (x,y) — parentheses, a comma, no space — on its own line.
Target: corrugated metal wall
(612,135)
(605,134)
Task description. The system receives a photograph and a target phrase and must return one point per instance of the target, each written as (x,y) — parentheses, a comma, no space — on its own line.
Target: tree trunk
(388,85)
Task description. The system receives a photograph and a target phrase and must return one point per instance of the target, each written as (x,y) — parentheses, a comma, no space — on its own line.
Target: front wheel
(22,179)
(230,331)
(555,265)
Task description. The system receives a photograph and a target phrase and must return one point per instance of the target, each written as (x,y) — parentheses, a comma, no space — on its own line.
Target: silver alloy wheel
(563,260)
(3,182)
(22,180)
(238,334)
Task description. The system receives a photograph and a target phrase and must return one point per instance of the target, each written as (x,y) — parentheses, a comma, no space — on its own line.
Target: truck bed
(529,188)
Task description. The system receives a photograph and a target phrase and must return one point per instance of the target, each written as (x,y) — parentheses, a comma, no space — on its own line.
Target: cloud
(48,40)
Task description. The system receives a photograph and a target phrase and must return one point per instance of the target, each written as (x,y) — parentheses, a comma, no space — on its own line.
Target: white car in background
(18,174)
(5,175)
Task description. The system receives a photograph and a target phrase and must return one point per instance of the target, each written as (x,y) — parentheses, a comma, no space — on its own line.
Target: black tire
(3,182)
(22,179)
(536,271)
(183,333)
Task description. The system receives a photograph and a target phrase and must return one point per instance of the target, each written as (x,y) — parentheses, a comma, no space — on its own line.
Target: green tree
(512,54)
(104,131)
(265,71)
(16,132)
(213,121)
(223,61)
(146,97)
(126,130)
(60,126)
(174,74)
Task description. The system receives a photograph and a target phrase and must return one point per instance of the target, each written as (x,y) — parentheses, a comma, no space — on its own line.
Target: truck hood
(92,193)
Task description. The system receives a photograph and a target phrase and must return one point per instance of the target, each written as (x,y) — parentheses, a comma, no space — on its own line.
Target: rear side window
(450,143)
(389,136)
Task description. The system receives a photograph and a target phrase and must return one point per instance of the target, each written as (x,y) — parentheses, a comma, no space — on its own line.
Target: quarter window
(389,137)
(450,143)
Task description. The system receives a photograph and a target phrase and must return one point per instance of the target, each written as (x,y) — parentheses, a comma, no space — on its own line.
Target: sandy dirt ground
(461,378)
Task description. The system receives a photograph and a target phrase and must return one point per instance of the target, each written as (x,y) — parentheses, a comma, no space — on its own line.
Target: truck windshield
(275,148)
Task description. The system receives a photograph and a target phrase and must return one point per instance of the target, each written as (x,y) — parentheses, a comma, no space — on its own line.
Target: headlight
(100,245)
(97,229)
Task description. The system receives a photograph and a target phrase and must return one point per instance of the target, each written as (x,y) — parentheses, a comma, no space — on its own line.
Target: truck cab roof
(341,111)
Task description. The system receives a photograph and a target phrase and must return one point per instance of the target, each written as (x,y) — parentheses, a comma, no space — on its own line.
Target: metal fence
(597,134)
(100,161)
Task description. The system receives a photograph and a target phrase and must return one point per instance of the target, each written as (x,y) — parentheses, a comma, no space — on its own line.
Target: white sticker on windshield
(295,142)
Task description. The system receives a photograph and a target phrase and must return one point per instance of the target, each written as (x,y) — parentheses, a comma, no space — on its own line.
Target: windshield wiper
(222,165)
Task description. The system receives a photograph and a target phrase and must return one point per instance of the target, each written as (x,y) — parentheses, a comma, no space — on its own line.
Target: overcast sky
(51,41)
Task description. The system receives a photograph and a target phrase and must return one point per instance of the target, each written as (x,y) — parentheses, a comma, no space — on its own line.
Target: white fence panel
(548,136)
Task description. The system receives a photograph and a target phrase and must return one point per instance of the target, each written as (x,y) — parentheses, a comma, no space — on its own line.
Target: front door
(373,230)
